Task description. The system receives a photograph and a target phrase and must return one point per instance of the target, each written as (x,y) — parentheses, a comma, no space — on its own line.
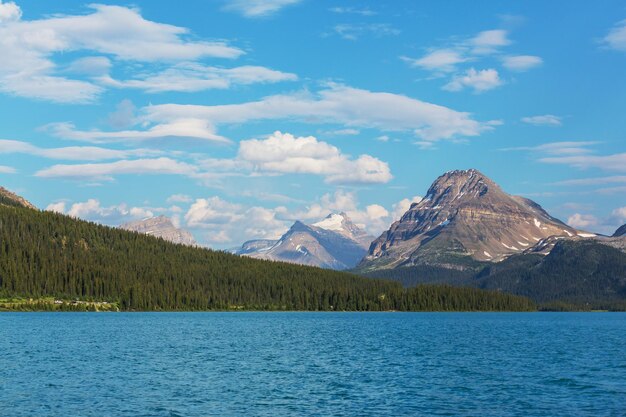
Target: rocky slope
(620,232)
(333,243)
(11,199)
(464,218)
(162,227)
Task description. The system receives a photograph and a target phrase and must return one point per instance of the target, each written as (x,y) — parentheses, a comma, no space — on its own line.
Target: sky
(235,118)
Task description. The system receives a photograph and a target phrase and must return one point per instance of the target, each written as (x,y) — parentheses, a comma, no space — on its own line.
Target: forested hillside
(44,254)
(581,274)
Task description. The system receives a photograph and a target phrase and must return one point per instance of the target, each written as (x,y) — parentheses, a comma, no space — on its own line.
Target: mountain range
(334,242)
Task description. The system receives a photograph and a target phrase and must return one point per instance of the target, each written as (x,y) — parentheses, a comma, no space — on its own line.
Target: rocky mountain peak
(464,215)
(620,232)
(161,226)
(9,198)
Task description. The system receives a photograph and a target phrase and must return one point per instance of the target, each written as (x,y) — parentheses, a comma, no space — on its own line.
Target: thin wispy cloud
(258,8)
(616,38)
(543,120)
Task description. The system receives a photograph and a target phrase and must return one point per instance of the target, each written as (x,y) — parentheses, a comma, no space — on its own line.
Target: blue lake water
(312,364)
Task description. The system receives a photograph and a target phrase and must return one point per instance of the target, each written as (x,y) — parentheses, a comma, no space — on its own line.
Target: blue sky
(237,117)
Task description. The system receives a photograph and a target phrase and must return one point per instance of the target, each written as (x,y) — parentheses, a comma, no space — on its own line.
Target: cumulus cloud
(222,222)
(28,69)
(616,38)
(9,12)
(92,210)
(543,120)
(521,63)
(258,8)
(285,153)
(355,108)
(582,221)
(403,206)
(479,81)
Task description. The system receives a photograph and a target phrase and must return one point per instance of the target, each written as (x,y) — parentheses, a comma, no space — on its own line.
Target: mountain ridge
(162,227)
(464,215)
(334,242)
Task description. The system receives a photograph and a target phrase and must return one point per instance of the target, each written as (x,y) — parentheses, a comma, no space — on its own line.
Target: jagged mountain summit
(465,216)
(333,243)
(11,199)
(621,231)
(161,226)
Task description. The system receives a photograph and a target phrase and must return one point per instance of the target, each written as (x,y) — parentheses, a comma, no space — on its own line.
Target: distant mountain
(464,218)
(620,232)
(10,199)
(162,227)
(333,243)
(576,274)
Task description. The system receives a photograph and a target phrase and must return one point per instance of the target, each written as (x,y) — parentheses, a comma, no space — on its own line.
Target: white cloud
(543,120)
(337,103)
(123,116)
(92,210)
(479,81)
(76,153)
(615,162)
(285,153)
(9,12)
(224,222)
(258,8)
(7,170)
(58,207)
(192,77)
(90,65)
(617,179)
(582,221)
(27,68)
(353,10)
(489,41)
(566,148)
(343,132)
(183,128)
(107,170)
(616,38)
(521,62)
(353,31)
(620,215)
(442,60)
(179,198)
(403,206)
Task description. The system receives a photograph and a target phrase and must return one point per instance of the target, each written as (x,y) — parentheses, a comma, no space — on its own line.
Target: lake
(312,364)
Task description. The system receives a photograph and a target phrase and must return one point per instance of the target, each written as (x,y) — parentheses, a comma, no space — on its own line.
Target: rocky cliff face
(162,227)
(334,243)
(464,216)
(12,199)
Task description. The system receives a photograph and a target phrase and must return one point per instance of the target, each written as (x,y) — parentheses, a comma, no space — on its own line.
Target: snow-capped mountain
(334,243)
(161,226)
(465,215)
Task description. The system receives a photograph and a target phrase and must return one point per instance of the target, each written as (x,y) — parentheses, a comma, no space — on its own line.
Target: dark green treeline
(47,254)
